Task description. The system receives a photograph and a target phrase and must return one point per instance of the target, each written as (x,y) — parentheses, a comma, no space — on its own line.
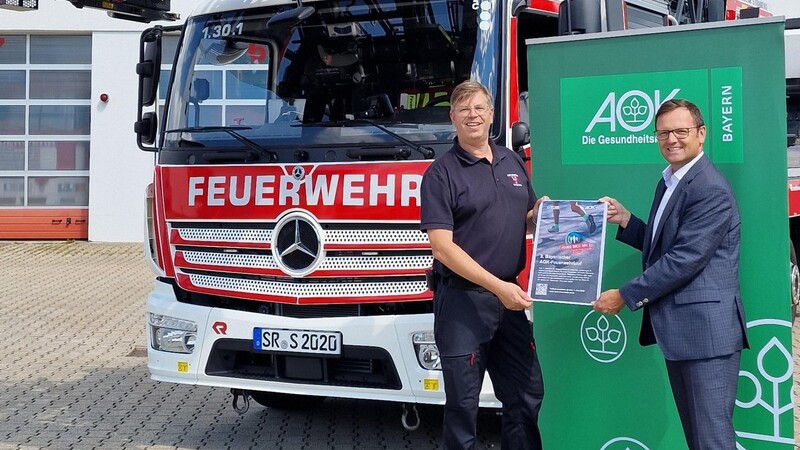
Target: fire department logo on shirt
(514,179)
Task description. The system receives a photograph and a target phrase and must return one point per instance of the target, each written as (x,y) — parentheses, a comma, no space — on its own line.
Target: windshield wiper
(232,131)
(426,152)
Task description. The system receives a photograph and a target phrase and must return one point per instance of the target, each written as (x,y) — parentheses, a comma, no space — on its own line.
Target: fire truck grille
(332,262)
(365,367)
(334,236)
(225,235)
(332,288)
(298,260)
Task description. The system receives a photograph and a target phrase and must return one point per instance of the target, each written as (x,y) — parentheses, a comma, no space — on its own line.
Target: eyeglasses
(680,133)
(479,110)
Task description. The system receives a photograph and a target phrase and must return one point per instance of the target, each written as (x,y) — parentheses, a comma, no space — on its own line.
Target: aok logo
(624,443)
(634,110)
(603,337)
(764,400)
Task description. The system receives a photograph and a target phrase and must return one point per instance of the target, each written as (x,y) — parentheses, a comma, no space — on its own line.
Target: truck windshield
(326,80)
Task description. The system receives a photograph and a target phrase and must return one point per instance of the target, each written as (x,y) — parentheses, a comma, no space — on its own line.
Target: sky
(788,8)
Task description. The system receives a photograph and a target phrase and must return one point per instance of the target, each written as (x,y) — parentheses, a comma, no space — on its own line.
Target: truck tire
(287,402)
(794,274)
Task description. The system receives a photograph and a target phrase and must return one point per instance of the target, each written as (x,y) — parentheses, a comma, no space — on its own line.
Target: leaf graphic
(602,324)
(614,336)
(775,350)
(592,334)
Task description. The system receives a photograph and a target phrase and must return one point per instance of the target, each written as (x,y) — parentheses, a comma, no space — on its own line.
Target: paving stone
(72,312)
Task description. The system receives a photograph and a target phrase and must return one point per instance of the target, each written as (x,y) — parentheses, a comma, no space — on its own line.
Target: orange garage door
(44,223)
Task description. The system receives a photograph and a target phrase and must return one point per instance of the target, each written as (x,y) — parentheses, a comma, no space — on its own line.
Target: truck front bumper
(378,360)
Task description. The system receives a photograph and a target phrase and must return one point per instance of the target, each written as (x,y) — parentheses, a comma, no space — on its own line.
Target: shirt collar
(468,158)
(667,173)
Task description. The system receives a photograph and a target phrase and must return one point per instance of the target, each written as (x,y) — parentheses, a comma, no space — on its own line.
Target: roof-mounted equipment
(135,10)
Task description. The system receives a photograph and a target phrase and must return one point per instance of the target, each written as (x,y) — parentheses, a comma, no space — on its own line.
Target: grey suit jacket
(689,286)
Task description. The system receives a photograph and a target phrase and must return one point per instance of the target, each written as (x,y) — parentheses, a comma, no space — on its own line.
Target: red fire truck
(285,204)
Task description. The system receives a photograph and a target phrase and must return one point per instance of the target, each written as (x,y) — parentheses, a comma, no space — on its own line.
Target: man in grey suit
(689,286)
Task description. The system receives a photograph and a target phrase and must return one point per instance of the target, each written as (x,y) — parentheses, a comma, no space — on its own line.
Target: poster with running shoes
(567,260)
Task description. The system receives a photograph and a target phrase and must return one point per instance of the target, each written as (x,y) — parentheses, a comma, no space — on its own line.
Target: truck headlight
(170,334)
(427,352)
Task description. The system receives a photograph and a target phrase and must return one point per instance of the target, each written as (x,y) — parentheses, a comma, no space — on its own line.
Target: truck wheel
(794,273)
(288,402)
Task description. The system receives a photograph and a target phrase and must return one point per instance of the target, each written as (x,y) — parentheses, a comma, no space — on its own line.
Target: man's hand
(512,296)
(533,215)
(616,212)
(610,302)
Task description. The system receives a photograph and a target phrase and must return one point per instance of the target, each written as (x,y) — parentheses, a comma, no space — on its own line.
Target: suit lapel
(676,194)
(661,188)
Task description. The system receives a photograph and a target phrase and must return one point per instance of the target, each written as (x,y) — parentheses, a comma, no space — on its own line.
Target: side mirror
(149,66)
(520,135)
(201,89)
(145,129)
(148,69)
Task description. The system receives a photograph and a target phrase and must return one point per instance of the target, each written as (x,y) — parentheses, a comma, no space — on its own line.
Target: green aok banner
(603,120)
(593,100)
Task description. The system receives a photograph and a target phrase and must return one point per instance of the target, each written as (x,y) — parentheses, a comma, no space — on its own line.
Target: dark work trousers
(475,333)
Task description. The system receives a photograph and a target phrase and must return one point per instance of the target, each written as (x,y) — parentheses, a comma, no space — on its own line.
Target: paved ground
(73,373)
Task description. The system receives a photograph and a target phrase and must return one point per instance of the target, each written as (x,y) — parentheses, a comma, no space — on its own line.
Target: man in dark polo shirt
(477,203)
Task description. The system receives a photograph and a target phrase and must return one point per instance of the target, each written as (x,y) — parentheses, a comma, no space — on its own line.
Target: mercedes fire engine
(284,223)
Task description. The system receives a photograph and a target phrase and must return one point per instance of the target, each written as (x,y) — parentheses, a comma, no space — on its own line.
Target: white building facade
(69,164)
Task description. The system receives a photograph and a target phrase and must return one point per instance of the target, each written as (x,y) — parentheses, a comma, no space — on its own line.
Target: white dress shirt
(671,180)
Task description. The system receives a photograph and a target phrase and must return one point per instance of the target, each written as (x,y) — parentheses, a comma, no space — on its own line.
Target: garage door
(45,93)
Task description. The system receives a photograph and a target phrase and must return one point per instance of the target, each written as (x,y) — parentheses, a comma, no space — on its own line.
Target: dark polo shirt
(483,204)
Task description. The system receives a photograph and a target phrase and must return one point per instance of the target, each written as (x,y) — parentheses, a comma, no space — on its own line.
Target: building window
(13,50)
(12,190)
(12,119)
(61,49)
(59,119)
(12,84)
(45,120)
(58,191)
(61,84)
(58,155)
(12,155)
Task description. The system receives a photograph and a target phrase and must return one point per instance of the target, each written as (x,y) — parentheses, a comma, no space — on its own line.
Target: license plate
(297,341)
